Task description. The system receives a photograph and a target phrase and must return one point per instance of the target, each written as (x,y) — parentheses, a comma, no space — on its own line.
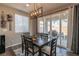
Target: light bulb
(27,5)
(35,13)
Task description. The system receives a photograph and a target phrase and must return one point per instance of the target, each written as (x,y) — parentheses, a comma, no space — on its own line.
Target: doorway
(59,22)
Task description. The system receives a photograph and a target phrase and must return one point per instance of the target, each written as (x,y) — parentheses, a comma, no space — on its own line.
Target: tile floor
(60,52)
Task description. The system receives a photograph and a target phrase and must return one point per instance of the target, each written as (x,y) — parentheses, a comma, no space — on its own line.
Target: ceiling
(46,6)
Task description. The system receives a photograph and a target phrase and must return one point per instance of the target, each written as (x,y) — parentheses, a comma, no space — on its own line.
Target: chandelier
(37,12)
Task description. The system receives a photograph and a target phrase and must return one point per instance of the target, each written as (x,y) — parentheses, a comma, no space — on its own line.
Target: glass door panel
(60,24)
(56,26)
(48,26)
(64,29)
(40,25)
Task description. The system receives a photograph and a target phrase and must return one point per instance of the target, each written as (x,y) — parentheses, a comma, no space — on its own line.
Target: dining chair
(54,33)
(42,35)
(23,44)
(45,36)
(30,48)
(23,39)
(50,50)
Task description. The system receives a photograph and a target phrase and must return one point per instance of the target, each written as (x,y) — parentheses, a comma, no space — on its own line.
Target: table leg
(22,47)
(39,51)
(25,49)
(41,36)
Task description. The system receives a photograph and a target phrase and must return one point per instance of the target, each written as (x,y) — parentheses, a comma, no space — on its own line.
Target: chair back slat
(53,46)
(27,39)
(30,45)
(22,38)
(43,35)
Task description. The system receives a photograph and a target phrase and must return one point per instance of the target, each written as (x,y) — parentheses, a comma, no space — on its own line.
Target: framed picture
(9,19)
(3,21)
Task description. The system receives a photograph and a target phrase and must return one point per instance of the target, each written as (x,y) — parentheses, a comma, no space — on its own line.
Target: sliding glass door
(64,29)
(40,25)
(58,22)
(48,25)
(55,25)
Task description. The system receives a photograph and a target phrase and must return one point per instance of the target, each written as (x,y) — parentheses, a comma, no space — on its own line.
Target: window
(40,25)
(48,26)
(21,23)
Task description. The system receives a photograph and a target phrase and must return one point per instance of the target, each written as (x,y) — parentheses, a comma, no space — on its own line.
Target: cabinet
(2,43)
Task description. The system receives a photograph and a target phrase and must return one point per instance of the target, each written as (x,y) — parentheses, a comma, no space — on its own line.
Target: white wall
(11,38)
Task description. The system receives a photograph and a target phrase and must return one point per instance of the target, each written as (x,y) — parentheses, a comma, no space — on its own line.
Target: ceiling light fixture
(27,5)
(36,12)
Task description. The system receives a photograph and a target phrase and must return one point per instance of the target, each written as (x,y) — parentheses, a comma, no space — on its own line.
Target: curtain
(75,37)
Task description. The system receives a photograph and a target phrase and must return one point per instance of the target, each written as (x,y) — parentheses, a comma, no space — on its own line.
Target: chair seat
(31,50)
(47,49)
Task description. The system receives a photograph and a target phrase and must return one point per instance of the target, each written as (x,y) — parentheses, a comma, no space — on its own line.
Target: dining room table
(40,43)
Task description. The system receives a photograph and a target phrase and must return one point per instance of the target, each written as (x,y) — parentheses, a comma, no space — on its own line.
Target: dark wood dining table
(40,43)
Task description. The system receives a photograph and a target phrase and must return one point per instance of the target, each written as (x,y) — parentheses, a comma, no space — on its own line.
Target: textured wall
(12,38)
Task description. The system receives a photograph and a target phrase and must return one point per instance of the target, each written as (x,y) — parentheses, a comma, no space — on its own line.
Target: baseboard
(14,47)
(65,48)
(61,47)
